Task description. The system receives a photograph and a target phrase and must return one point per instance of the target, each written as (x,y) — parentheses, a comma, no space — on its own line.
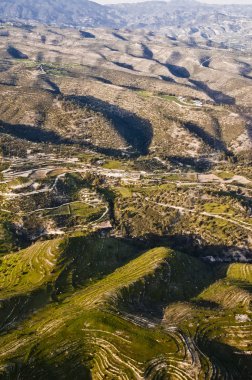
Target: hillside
(98,342)
(125,191)
(140,106)
(59,12)
(194,22)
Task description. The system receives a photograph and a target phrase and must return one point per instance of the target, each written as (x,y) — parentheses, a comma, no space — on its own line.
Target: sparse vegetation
(125,201)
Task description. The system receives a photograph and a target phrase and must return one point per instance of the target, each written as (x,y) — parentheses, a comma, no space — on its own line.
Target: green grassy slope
(101,325)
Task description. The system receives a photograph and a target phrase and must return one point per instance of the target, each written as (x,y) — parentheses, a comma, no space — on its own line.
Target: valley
(125,194)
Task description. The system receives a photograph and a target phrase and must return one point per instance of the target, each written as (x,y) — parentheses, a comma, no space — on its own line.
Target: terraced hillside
(76,330)
(125,204)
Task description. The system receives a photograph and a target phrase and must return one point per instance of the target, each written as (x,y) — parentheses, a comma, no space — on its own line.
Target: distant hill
(179,13)
(57,12)
(155,15)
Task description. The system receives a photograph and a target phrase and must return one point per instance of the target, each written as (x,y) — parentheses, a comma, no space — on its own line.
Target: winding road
(237,222)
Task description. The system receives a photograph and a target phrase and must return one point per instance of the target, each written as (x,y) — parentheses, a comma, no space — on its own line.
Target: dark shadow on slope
(15,53)
(217,96)
(161,288)
(11,83)
(117,35)
(147,53)
(27,27)
(102,80)
(206,304)
(192,42)
(54,87)
(194,245)
(249,128)
(107,81)
(83,257)
(243,285)
(123,65)
(36,134)
(16,308)
(172,38)
(93,257)
(167,79)
(135,130)
(85,34)
(5,66)
(217,128)
(132,88)
(229,362)
(30,133)
(110,48)
(205,61)
(177,71)
(213,142)
(35,368)
(54,32)
(198,164)
(245,70)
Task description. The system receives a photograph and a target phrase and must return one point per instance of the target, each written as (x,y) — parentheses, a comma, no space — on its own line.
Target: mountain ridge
(151,14)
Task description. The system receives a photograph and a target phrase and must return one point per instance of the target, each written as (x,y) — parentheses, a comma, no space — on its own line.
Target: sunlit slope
(50,270)
(103,320)
(141,93)
(138,275)
(27,280)
(28,269)
(234,290)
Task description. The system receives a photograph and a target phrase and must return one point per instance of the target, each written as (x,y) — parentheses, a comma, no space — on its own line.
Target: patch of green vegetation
(18,181)
(86,157)
(56,71)
(82,211)
(56,172)
(218,227)
(125,192)
(144,93)
(167,186)
(28,269)
(92,340)
(224,175)
(114,164)
(85,211)
(29,63)
(61,210)
(49,68)
(215,208)
(240,272)
(174,177)
(170,98)
(192,177)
